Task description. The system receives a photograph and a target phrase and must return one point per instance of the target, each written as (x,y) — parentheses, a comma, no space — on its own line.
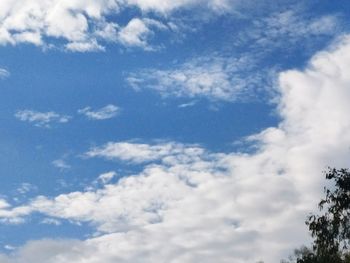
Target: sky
(175,131)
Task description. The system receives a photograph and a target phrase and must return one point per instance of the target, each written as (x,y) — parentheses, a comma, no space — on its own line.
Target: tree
(301,255)
(330,230)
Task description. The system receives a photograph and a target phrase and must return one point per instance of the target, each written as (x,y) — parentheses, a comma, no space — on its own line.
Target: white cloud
(84,46)
(198,206)
(83,24)
(41,119)
(168,6)
(160,6)
(4,73)
(61,164)
(9,247)
(213,77)
(25,188)
(4,204)
(140,153)
(107,112)
(51,221)
(107,177)
(186,105)
(287,29)
(137,32)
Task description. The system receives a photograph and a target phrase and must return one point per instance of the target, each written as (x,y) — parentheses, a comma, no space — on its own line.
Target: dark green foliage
(331,231)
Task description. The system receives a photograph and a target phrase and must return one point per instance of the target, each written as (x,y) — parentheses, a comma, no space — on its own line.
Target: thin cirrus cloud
(288,27)
(107,112)
(213,77)
(25,188)
(41,119)
(226,77)
(46,119)
(61,164)
(4,73)
(85,25)
(141,152)
(191,205)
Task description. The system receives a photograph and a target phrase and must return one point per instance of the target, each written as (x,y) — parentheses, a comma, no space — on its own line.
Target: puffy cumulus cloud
(136,33)
(41,119)
(84,46)
(104,113)
(213,77)
(214,207)
(82,24)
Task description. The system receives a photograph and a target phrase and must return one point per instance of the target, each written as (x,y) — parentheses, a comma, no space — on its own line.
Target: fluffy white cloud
(41,119)
(199,206)
(4,204)
(137,32)
(84,46)
(107,112)
(82,23)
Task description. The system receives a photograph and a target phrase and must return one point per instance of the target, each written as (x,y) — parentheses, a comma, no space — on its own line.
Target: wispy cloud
(237,75)
(107,177)
(141,153)
(286,29)
(214,77)
(186,105)
(107,112)
(4,73)
(61,164)
(51,221)
(41,119)
(25,188)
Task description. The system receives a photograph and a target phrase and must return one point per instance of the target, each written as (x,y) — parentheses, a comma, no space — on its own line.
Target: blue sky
(167,131)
